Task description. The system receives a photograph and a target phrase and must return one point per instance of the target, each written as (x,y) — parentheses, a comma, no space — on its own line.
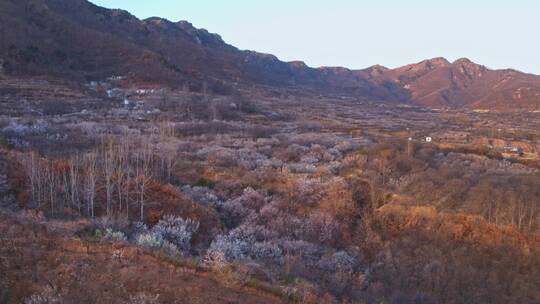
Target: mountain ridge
(439,83)
(80,41)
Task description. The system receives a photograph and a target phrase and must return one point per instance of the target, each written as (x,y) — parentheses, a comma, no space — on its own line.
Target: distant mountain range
(80,41)
(462,84)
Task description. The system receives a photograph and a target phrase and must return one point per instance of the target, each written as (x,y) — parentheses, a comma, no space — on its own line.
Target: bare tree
(166,129)
(64,174)
(532,214)
(108,172)
(167,156)
(122,175)
(143,173)
(170,163)
(51,179)
(31,166)
(74,183)
(40,176)
(90,182)
(119,172)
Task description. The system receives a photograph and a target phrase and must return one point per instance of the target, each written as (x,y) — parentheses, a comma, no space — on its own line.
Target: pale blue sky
(360,33)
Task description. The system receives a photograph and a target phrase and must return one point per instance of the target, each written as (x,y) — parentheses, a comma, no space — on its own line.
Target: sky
(360,33)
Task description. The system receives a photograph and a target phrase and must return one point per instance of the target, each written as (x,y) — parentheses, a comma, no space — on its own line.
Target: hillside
(45,263)
(78,40)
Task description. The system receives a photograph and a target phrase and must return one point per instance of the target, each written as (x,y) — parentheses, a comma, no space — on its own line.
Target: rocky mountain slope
(462,84)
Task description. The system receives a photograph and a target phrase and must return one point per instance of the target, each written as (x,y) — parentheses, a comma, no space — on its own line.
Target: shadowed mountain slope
(76,39)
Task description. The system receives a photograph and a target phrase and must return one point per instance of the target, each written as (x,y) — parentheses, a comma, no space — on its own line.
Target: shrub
(15,129)
(339,261)
(215,259)
(336,154)
(143,298)
(139,228)
(203,182)
(230,247)
(334,167)
(177,231)
(302,168)
(155,241)
(266,250)
(251,199)
(308,251)
(295,152)
(47,296)
(247,242)
(320,227)
(202,195)
(253,232)
(244,206)
(347,146)
(307,139)
(309,159)
(233,213)
(248,159)
(41,299)
(110,235)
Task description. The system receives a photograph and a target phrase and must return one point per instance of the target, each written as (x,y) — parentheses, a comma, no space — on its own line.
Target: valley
(148,161)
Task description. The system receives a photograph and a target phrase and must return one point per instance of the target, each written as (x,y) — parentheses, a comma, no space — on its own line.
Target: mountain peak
(463,60)
(466,66)
(425,65)
(298,64)
(376,70)
(438,62)
(159,22)
(378,67)
(466,62)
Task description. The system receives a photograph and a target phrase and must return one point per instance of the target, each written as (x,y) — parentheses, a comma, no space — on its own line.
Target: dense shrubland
(287,200)
(501,191)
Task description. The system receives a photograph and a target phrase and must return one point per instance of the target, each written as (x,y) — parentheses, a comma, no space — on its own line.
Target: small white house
(429,139)
(126,102)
